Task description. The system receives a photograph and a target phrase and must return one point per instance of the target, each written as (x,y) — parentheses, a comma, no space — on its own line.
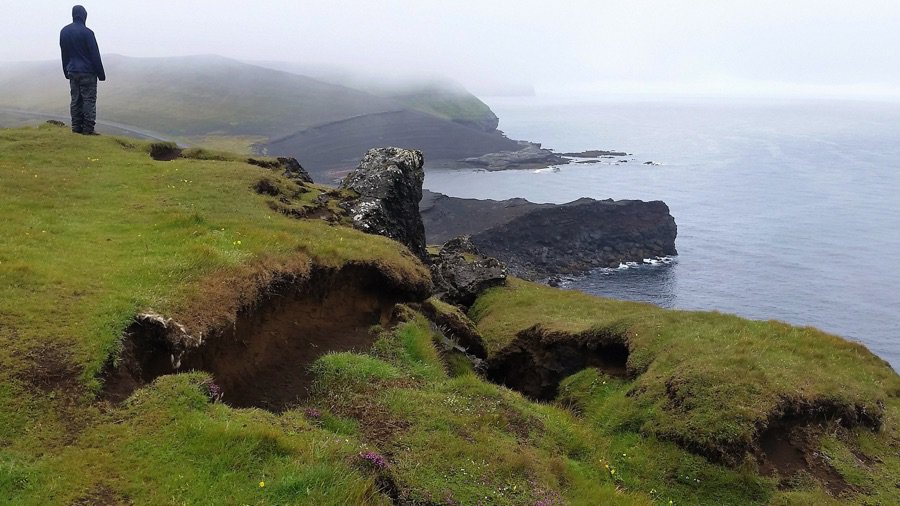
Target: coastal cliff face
(541,240)
(144,303)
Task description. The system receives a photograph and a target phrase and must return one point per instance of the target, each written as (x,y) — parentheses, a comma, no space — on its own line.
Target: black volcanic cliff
(540,240)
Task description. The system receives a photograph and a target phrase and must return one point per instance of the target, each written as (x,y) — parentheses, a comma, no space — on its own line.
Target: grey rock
(530,156)
(389,184)
(461,273)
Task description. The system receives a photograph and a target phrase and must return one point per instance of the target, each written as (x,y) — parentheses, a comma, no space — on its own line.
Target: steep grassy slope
(197,95)
(438,96)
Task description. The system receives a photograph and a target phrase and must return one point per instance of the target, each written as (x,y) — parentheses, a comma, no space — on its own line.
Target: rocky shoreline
(532,156)
(538,241)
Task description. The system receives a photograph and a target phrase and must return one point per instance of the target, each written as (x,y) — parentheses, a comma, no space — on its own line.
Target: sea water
(786,210)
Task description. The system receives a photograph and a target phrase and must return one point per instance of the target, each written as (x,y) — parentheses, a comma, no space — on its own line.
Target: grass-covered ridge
(713,383)
(95,231)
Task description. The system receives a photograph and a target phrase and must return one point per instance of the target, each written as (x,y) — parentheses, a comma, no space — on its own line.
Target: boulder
(389,184)
(461,273)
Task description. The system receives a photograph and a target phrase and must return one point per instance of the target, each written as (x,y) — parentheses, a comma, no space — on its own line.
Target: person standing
(82,66)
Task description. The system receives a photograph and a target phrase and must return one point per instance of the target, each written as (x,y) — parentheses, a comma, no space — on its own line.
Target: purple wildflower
(312,413)
(551,498)
(213,391)
(374,459)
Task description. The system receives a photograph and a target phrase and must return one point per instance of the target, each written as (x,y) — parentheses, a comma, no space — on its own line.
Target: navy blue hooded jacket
(79,47)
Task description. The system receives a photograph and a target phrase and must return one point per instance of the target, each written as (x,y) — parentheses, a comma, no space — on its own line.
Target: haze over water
(786,210)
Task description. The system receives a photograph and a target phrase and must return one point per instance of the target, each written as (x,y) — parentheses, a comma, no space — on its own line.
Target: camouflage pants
(84,101)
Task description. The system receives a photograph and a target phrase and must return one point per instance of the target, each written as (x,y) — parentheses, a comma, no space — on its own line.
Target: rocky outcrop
(530,156)
(460,272)
(389,184)
(448,217)
(537,241)
(580,236)
(596,153)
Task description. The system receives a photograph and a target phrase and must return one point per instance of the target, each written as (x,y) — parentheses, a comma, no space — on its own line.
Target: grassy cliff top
(95,232)
(712,382)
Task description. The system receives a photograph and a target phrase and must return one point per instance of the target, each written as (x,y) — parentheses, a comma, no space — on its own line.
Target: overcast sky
(562,45)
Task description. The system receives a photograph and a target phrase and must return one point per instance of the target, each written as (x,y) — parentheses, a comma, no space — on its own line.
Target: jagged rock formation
(389,184)
(540,240)
(460,272)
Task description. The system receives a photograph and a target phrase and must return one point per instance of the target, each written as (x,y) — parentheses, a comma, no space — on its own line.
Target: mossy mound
(733,390)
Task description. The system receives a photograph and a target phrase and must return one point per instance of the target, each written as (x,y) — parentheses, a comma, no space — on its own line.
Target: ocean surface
(786,209)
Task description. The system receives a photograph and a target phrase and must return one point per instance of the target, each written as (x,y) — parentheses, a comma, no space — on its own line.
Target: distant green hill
(193,98)
(435,95)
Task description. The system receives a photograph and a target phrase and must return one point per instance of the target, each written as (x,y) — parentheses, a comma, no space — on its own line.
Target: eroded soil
(537,361)
(262,360)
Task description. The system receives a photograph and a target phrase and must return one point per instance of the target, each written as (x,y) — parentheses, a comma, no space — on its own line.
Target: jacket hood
(79,13)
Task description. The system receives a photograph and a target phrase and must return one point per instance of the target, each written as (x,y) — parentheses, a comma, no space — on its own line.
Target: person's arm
(96,60)
(65,55)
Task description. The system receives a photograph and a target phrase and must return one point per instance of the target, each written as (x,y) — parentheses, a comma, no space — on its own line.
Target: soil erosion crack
(538,360)
(262,359)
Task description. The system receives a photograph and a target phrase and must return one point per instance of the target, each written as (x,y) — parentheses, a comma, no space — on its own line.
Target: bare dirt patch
(164,151)
(788,446)
(50,367)
(788,450)
(262,359)
(537,361)
(102,496)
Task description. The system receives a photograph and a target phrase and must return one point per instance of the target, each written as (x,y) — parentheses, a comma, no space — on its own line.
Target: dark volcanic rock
(332,150)
(596,153)
(293,169)
(389,184)
(531,156)
(460,272)
(580,236)
(448,217)
(542,240)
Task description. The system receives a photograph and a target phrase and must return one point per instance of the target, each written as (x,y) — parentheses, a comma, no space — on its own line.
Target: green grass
(96,232)
(462,440)
(221,103)
(451,104)
(707,381)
